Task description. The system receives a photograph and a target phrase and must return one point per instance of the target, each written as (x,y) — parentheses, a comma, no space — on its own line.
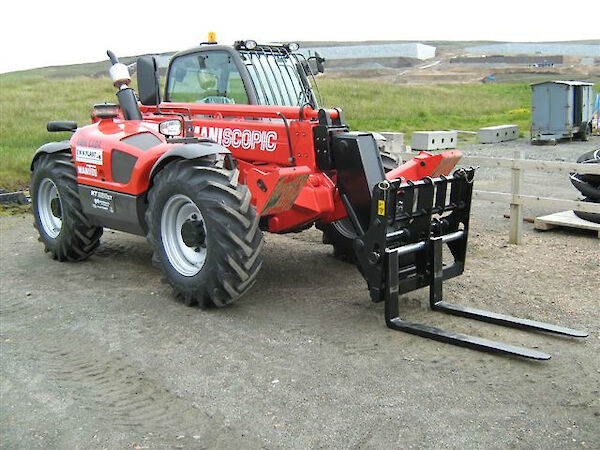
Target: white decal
(236,138)
(89,169)
(88,155)
(102,200)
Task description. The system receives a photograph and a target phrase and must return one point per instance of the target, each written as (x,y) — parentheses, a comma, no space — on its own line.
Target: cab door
(208,76)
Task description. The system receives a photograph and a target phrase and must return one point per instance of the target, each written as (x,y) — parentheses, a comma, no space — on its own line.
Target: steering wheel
(216,99)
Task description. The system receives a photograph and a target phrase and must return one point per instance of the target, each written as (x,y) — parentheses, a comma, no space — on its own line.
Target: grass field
(27,103)
(29,100)
(377,106)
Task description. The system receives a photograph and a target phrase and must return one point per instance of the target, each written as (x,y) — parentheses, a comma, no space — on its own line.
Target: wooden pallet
(565,219)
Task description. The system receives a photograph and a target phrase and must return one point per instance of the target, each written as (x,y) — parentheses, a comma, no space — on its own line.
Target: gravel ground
(98,354)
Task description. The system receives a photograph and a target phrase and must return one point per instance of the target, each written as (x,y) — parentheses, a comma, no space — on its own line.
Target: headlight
(250,44)
(170,127)
(293,46)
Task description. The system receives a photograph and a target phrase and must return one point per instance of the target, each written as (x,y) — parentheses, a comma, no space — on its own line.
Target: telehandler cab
(239,146)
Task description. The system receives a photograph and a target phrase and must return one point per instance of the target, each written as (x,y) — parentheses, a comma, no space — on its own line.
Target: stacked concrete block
(434,140)
(394,142)
(501,133)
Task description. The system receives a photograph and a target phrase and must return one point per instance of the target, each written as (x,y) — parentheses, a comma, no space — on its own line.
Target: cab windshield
(276,76)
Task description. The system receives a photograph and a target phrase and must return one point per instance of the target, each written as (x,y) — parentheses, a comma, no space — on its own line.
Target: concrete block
(19,197)
(394,142)
(501,133)
(433,140)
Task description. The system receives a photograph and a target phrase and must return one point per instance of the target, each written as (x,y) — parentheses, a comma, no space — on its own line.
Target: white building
(536,48)
(362,51)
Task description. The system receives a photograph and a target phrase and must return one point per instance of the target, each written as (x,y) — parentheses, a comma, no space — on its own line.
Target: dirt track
(98,355)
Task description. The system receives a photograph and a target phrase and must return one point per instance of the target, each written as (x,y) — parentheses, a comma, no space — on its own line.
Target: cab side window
(208,77)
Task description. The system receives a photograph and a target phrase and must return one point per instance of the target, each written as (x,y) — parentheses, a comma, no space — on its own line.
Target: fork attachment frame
(402,250)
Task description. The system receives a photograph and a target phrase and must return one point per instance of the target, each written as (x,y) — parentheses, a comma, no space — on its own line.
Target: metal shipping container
(561,109)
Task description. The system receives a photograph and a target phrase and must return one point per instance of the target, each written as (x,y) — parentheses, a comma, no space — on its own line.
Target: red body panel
(426,165)
(106,135)
(286,185)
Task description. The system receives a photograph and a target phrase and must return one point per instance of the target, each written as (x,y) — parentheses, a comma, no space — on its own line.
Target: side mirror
(316,64)
(319,60)
(148,80)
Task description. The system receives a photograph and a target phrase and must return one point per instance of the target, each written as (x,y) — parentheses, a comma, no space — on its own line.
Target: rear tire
(341,234)
(204,233)
(67,234)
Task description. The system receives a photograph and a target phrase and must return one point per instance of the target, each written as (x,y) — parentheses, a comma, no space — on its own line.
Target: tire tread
(78,238)
(221,198)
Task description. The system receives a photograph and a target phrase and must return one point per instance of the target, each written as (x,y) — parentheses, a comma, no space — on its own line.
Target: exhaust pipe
(119,73)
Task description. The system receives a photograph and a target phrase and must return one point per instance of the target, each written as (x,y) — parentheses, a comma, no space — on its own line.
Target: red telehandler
(239,146)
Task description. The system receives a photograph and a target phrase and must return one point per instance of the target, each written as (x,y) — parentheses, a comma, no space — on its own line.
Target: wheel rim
(186,258)
(49,208)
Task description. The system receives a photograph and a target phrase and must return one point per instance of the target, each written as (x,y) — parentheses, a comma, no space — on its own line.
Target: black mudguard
(195,150)
(49,148)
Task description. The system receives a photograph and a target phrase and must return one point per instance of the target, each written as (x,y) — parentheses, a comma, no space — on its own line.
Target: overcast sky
(43,33)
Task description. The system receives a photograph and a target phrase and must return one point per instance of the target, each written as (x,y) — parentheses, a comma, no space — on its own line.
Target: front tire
(67,234)
(204,233)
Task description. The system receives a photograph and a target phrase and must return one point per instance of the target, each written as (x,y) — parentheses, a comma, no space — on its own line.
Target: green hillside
(31,98)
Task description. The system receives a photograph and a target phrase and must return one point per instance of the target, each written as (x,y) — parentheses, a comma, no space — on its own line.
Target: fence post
(516,208)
